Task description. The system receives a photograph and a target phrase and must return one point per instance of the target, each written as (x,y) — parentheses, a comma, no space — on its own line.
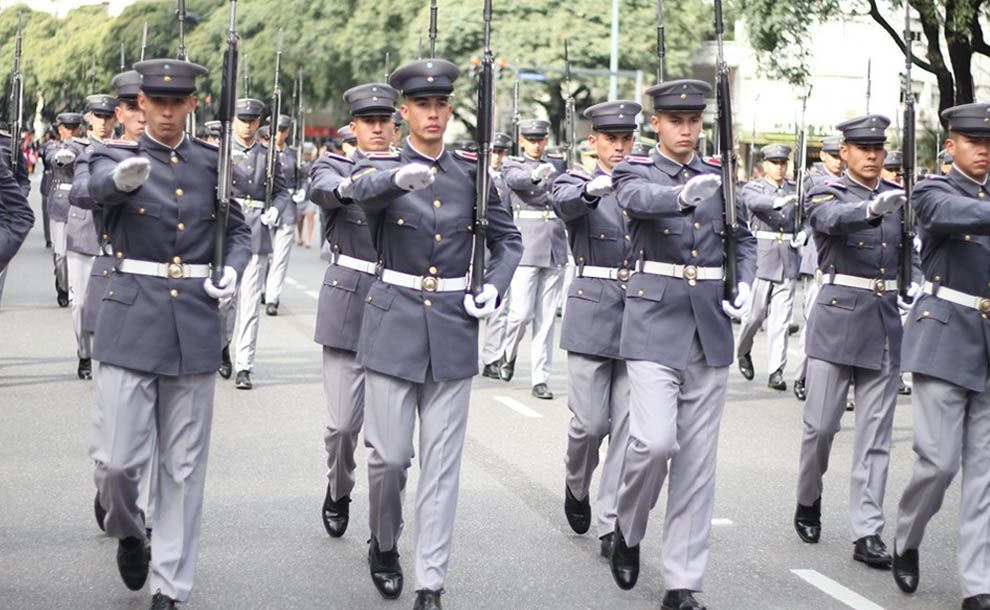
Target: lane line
(292,282)
(718,521)
(843,594)
(517,406)
(313,294)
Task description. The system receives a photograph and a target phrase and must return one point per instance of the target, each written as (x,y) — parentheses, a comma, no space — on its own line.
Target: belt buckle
(780,235)
(691,274)
(880,286)
(623,274)
(546,215)
(430,284)
(175,271)
(985,306)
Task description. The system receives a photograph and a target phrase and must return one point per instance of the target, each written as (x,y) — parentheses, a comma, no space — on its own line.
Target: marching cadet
(538,281)
(46,184)
(771,204)
(598,384)
(352,271)
(945,162)
(7,146)
(854,336)
(241,311)
(16,219)
(84,229)
(212,130)
(945,347)
(284,233)
(61,157)
(24,181)
(397,131)
(157,337)
(892,167)
(677,341)
(495,324)
(419,334)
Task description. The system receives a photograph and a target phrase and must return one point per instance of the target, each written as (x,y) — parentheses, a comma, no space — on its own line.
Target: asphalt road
(263,543)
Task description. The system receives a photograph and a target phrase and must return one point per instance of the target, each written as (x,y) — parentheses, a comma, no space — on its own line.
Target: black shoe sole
(877,564)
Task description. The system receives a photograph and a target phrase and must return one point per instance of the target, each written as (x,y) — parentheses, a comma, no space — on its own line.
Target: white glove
(227,286)
(483,305)
(740,306)
(269,217)
(542,172)
(238,156)
(779,202)
(602,185)
(299,196)
(413,177)
(131,173)
(917,244)
(345,188)
(799,240)
(698,189)
(886,202)
(912,293)
(64,156)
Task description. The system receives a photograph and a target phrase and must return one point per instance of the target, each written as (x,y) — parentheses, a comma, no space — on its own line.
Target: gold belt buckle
(880,286)
(690,272)
(175,271)
(623,274)
(985,305)
(780,235)
(430,284)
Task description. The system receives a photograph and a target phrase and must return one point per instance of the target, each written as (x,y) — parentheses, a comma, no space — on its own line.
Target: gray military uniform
(15,220)
(284,234)
(84,239)
(58,203)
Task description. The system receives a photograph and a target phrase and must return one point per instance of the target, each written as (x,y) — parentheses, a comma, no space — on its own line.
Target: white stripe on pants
(79,267)
(282,239)
(343,391)
(536,293)
(248,313)
(773,302)
(59,248)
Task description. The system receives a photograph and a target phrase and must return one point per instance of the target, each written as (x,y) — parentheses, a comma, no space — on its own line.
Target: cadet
(352,271)
(212,130)
(248,185)
(854,336)
(11,231)
(397,131)
(284,232)
(419,333)
(771,204)
(892,167)
(157,337)
(598,384)
(495,324)
(8,144)
(677,342)
(16,220)
(61,157)
(537,283)
(945,348)
(84,229)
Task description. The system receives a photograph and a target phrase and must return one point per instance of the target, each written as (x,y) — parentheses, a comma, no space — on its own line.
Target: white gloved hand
(269,217)
(64,156)
(886,202)
(912,293)
(238,156)
(345,188)
(413,177)
(299,196)
(131,173)
(799,240)
(917,244)
(596,187)
(698,189)
(483,305)
(779,202)
(740,305)
(227,286)
(542,172)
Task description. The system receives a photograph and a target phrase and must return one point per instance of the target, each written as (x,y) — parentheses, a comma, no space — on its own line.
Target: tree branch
(976,35)
(875,14)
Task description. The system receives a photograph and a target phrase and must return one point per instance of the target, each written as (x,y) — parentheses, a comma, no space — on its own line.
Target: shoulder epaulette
(382,155)
(889,183)
(205,144)
(4,133)
(515,158)
(340,158)
(640,160)
(555,155)
(716,163)
(822,198)
(834,184)
(466,155)
(579,173)
(84,141)
(120,143)
(362,173)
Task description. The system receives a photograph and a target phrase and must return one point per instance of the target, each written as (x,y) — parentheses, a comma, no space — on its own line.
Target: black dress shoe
(777,382)
(243,381)
(132,562)
(85,368)
(578,512)
(386,572)
(903,389)
(226,367)
(542,392)
(680,599)
(977,602)
(792,329)
(607,542)
(491,370)
(62,298)
(808,522)
(427,600)
(624,562)
(262,298)
(271,309)
(162,602)
(799,390)
(99,512)
(905,568)
(746,367)
(336,514)
(872,551)
(506,368)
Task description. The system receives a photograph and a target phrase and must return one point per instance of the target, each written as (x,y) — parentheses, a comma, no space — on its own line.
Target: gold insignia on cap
(429,64)
(167,78)
(621,115)
(374,99)
(684,96)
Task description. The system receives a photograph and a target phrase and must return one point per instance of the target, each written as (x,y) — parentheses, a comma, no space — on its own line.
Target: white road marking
(517,406)
(718,521)
(292,282)
(843,594)
(314,294)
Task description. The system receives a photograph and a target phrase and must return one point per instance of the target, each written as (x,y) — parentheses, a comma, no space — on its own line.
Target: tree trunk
(930,27)
(960,48)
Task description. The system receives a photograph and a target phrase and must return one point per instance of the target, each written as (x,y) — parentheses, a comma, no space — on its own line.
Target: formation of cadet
(283,235)
(61,157)
(18,220)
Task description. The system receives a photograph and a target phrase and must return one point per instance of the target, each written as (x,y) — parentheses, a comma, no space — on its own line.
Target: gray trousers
(241,313)
(135,407)
(343,390)
(79,267)
(391,405)
(536,292)
(810,296)
(598,397)
(59,248)
(674,420)
(875,393)
(282,239)
(951,429)
(495,328)
(773,302)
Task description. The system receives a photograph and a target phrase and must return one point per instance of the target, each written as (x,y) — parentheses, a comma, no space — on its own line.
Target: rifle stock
(906,265)
(568,112)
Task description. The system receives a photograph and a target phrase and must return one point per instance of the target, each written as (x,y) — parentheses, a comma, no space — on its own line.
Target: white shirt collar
(869,188)
(424,155)
(163,145)
(970,178)
(690,161)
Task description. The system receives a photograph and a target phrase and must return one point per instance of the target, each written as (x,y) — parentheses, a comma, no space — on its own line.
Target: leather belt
(247,202)
(691,273)
(426,283)
(604,273)
(774,236)
(175,271)
(980,304)
(357,264)
(534,214)
(863,283)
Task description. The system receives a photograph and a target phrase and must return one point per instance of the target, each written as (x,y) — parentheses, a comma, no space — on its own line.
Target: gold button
(926,313)
(174,159)
(177,260)
(433,270)
(437,237)
(120,255)
(883,245)
(860,243)
(981,195)
(697,226)
(428,303)
(179,192)
(640,293)
(694,253)
(692,283)
(580,292)
(666,231)
(834,301)
(968,237)
(400,222)
(110,293)
(173,292)
(181,226)
(333,283)
(104,273)
(601,236)
(628,238)
(433,170)
(167,78)
(883,270)
(105,237)
(622,286)
(369,299)
(140,210)
(436,203)
(938,278)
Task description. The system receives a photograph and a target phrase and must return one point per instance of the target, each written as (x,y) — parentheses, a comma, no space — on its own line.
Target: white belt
(249,203)
(771,235)
(603,273)
(342,260)
(65,186)
(534,214)
(686,272)
(980,304)
(863,283)
(176,271)
(427,283)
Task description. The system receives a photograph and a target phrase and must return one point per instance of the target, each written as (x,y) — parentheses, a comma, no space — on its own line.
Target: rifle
(300,135)
(144,39)
(801,160)
(387,70)
(123,61)
(433,28)
(92,75)
(906,265)
(869,83)
(16,115)
(568,112)
(726,138)
(180,14)
(226,113)
(661,41)
(515,117)
(482,181)
(273,128)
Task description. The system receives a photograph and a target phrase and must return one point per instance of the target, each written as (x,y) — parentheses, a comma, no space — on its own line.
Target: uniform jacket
(287,157)
(249,184)
(96,288)
(544,241)
(160,325)
(84,230)
(16,217)
(58,194)
(21,176)
(405,331)
(816,175)
(943,339)
(599,236)
(776,260)
(663,314)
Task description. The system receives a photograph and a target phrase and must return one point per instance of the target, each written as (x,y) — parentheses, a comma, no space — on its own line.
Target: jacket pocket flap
(841,301)
(121,294)
(338,277)
(669,226)
(403,219)
(381,298)
(588,290)
(932,310)
(652,291)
